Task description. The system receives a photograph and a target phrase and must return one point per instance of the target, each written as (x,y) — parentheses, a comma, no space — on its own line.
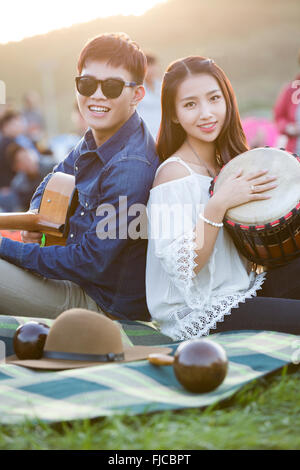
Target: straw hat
(82,338)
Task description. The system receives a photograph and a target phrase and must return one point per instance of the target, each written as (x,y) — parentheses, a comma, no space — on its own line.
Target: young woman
(196,280)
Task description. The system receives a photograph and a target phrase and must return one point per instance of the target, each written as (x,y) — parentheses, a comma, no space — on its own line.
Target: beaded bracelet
(214,224)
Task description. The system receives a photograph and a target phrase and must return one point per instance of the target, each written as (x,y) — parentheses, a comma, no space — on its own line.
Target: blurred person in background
(12,127)
(35,123)
(287,113)
(150,108)
(8,106)
(3,110)
(260,132)
(29,169)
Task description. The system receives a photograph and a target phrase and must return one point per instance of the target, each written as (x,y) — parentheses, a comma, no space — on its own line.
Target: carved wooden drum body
(267,232)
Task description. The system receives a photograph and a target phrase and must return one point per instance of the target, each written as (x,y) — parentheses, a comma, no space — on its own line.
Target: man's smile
(98,109)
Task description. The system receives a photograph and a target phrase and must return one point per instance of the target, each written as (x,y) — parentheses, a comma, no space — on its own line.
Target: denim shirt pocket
(89,201)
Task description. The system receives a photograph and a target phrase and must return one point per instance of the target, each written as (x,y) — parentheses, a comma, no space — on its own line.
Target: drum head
(284,197)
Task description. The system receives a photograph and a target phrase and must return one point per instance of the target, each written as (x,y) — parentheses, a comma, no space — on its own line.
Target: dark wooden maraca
(200,365)
(29,340)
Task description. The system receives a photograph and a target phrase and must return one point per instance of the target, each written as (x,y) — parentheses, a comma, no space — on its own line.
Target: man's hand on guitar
(31,237)
(59,190)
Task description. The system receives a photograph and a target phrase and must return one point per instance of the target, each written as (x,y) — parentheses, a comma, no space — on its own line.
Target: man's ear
(139,94)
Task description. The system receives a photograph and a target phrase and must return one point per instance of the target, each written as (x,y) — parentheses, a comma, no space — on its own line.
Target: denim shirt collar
(112,145)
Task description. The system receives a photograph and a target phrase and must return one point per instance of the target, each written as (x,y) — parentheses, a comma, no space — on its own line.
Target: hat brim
(132,353)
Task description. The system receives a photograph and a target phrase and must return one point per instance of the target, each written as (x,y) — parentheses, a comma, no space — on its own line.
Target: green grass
(264,415)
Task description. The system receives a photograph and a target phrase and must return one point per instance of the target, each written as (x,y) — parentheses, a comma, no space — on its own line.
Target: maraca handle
(160,359)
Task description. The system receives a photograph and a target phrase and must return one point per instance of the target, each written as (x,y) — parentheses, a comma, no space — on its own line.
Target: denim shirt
(110,270)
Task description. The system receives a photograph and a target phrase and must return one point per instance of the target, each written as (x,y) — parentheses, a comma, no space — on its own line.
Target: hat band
(110,357)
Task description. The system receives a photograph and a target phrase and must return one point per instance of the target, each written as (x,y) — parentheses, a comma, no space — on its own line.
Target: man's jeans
(25,294)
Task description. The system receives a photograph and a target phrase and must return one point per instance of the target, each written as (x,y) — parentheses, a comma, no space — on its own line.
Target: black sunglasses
(111,87)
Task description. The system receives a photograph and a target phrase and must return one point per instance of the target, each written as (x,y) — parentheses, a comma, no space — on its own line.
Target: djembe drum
(267,232)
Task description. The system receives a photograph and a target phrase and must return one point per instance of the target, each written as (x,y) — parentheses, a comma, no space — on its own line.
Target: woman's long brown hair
(231,141)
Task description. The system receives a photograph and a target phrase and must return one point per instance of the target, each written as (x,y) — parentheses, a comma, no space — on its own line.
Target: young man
(116,157)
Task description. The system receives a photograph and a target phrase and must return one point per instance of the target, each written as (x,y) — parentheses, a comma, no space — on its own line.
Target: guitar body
(58,203)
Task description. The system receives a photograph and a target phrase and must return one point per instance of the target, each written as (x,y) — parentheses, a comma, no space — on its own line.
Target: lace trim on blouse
(188,323)
(179,261)
(183,260)
(203,311)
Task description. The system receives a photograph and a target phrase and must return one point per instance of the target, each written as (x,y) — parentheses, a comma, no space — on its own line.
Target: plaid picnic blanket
(135,387)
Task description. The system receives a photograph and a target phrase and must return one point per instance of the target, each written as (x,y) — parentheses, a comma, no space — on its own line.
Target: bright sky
(23,18)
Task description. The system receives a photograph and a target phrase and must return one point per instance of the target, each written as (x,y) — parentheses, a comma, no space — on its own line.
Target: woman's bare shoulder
(170,171)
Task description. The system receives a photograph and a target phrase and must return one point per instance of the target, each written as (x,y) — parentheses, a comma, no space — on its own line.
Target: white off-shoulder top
(183,304)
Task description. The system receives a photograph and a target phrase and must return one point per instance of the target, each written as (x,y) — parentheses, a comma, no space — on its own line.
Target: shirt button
(82,213)
(72,235)
(86,204)
(76,168)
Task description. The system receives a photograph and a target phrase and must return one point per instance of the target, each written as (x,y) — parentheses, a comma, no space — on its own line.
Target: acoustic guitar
(57,204)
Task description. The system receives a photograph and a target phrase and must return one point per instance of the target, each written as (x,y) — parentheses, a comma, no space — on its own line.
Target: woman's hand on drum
(239,189)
